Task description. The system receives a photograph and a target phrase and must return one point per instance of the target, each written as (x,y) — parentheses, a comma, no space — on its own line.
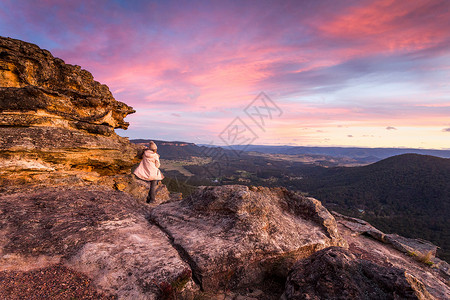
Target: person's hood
(150,153)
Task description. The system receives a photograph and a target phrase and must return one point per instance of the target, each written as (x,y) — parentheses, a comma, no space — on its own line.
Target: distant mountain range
(367,155)
(362,155)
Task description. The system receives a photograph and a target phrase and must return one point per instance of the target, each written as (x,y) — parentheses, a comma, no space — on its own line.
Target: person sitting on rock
(148,170)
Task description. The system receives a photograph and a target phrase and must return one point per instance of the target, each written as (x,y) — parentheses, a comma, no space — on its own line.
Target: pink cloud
(209,60)
(390,25)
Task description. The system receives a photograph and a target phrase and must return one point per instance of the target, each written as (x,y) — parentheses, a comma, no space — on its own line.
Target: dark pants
(152,193)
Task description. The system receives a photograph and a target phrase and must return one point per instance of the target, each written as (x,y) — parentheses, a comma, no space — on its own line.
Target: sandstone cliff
(39,89)
(56,121)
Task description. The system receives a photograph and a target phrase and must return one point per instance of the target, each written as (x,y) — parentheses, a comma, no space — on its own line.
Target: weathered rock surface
(335,273)
(232,242)
(234,236)
(432,272)
(39,89)
(55,282)
(57,123)
(102,234)
(400,243)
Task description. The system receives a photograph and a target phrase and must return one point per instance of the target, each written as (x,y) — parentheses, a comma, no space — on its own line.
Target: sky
(308,73)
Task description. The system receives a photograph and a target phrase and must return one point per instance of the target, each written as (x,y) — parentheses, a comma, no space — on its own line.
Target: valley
(408,194)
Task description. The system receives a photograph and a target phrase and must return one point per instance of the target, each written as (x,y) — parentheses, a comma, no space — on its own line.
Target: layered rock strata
(39,89)
(56,121)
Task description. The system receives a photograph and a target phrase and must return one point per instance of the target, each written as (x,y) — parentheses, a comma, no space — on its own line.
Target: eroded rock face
(56,122)
(39,89)
(335,273)
(233,236)
(101,234)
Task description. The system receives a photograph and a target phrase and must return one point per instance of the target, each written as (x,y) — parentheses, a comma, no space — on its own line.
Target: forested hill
(408,194)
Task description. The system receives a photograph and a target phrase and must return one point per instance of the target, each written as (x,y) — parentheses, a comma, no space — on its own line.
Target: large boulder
(235,236)
(56,122)
(335,273)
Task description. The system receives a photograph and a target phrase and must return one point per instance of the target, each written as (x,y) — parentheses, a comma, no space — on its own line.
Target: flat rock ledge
(101,234)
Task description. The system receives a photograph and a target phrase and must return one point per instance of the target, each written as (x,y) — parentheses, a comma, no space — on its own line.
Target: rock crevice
(196,276)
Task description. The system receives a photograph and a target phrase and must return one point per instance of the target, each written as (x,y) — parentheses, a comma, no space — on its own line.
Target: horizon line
(285,145)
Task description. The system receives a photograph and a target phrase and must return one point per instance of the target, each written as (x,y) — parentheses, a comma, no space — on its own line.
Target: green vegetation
(425,258)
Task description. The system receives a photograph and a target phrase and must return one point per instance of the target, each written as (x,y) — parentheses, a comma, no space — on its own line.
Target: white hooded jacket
(148,167)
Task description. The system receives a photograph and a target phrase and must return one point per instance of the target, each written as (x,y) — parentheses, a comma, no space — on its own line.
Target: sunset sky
(340,73)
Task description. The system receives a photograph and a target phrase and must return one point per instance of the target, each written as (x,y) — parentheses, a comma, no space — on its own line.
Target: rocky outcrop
(335,273)
(39,89)
(235,236)
(226,242)
(220,238)
(56,122)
